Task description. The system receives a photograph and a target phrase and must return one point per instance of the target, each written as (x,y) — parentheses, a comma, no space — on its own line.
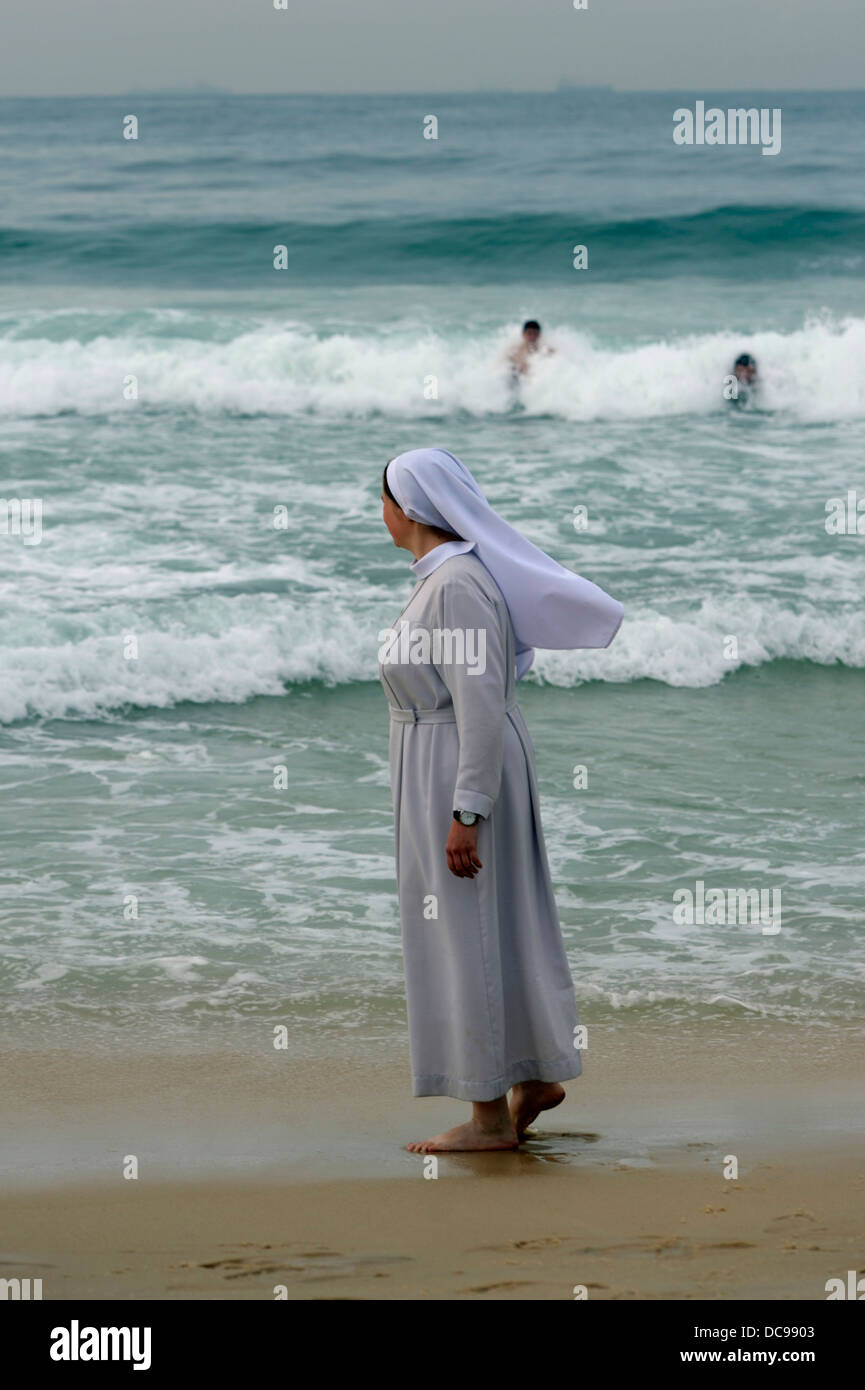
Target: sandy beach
(262,1178)
(778,1234)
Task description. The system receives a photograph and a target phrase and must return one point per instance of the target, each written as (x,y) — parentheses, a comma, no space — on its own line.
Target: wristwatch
(466,817)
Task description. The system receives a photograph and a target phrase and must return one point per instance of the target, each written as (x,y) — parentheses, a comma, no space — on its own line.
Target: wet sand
(512,1232)
(259,1174)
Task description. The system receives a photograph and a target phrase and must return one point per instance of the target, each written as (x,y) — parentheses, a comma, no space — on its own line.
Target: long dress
(489,993)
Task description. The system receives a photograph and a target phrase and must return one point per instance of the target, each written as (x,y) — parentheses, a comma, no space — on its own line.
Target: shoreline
(648,1095)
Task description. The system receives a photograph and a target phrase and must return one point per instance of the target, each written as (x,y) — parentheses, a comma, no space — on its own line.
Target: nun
(490,999)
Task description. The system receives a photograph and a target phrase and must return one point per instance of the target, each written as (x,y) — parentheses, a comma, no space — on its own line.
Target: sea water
(197,829)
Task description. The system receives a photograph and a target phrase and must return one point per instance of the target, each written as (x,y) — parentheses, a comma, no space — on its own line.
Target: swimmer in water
(521,355)
(745,372)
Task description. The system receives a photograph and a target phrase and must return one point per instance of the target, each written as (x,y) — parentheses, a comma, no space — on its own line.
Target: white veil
(549,605)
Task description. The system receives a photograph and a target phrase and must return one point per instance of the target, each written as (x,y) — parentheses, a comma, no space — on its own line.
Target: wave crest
(814,373)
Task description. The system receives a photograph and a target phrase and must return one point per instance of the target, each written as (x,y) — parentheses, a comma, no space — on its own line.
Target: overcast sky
(59,47)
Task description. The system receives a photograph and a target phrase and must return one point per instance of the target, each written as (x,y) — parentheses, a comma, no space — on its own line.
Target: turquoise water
(155,881)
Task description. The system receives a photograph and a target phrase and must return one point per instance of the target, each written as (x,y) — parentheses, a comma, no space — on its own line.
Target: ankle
(493,1116)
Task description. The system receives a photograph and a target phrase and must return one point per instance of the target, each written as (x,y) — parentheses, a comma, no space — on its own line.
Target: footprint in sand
(799,1222)
(313,1266)
(539,1244)
(505,1284)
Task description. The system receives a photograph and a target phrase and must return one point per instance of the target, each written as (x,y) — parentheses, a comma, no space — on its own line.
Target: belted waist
(432,716)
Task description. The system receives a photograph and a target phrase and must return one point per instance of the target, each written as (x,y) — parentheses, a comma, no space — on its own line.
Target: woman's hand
(461,850)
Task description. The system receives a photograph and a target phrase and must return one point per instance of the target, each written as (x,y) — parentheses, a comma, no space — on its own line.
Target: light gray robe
(489,991)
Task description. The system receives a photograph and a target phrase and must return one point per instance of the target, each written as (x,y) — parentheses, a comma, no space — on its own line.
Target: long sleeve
(472,665)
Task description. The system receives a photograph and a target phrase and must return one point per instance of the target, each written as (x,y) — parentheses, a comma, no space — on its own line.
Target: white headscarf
(549,606)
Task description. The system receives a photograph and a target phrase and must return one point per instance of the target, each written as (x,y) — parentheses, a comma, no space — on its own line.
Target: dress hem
(562,1069)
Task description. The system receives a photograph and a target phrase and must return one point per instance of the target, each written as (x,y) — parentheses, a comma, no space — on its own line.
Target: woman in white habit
(490,999)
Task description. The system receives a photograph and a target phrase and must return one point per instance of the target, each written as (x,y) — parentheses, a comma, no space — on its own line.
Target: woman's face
(395,520)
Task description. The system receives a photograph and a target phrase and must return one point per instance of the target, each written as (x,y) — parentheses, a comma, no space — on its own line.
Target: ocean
(197,828)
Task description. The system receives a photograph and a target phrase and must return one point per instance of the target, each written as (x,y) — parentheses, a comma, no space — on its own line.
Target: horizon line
(206,90)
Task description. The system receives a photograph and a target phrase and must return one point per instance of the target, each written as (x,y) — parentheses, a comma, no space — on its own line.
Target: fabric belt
(432,716)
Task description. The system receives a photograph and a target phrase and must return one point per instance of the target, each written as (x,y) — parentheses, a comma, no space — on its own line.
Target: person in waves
(745,372)
(529,345)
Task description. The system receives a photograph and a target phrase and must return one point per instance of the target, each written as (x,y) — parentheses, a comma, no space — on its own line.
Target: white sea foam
(339,646)
(815,373)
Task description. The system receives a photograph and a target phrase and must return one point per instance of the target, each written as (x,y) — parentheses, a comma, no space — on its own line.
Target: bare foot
(471,1136)
(529,1098)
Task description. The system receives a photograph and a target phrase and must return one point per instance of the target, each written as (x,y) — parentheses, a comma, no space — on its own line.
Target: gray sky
(61,47)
